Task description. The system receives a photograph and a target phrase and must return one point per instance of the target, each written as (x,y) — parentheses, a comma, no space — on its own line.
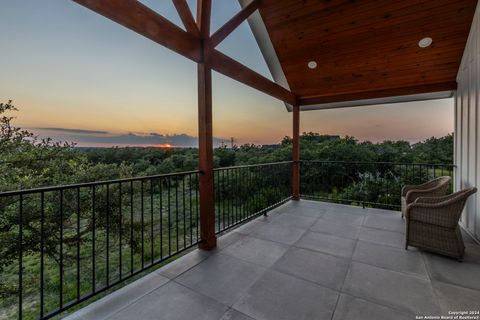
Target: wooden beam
(435,87)
(205,155)
(137,17)
(186,16)
(208,240)
(233,23)
(237,71)
(296,153)
(204,8)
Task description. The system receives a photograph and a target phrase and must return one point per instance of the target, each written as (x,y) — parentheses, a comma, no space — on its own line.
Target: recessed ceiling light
(425,42)
(312,64)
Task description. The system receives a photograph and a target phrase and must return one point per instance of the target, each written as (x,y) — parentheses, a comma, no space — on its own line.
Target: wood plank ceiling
(367,48)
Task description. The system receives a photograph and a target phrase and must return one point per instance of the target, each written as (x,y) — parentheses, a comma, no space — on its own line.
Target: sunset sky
(77,76)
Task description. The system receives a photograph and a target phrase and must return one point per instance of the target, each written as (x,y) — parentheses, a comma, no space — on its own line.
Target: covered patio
(305,260)
(324,55)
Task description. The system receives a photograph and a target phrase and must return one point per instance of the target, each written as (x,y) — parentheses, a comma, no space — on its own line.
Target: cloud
(87,138)
(73,130)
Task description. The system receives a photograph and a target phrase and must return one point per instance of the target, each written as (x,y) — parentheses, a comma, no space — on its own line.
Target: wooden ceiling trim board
(385,100)
(436,87)
(143,20)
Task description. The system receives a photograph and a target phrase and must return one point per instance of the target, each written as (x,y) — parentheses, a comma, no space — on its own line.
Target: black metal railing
(373,184)
(63,245)
(72,242)
(244,192)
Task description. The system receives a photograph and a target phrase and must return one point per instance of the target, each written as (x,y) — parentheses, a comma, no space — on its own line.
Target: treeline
(28,162)
(314,146)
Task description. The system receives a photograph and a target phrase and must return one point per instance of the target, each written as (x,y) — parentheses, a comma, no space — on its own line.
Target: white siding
(467,120)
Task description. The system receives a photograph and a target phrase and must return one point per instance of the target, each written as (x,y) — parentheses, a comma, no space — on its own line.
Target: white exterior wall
(467,133)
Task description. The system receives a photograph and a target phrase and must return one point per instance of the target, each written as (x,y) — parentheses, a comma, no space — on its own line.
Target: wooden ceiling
(367,48)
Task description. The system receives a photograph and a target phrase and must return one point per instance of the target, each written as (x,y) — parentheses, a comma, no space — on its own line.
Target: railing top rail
(383,162)
(253,165)
(114,181)
(92,184)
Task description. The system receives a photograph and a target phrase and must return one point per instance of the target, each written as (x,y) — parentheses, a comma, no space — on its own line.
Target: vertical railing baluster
(107,254)
(176,213)
(160,182)
(249,188)
(20,258)
(190,207)
(169,218)
(93,240)
(61,248)
(78,243)
(131,227)
(142,221)
(197,206)
(238,193)
(120,231)
(222,190)
(228,197)
(235,196)
(42,253)
(151,222)
(218,199)
(184,213)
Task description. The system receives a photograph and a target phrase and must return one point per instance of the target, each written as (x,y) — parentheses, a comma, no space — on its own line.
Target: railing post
(208,238)
(296,153)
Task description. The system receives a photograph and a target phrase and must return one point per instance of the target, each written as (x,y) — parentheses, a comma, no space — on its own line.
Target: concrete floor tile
(384,237)
(324,269)
(221,277)
(454,298)
(325,243)
(385,222)
(294,220)
(173,302)
(279,233)
(396,259)
(352,308)
(464,274)
(277,296)
(184,263)
(336,228)
(258,251)
(413,295)
(121,298)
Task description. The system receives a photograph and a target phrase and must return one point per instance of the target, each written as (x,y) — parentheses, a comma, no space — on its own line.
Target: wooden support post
(296,153)
(208,239)
(205,155)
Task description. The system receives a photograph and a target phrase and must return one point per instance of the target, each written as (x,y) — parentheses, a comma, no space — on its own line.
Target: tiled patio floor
(306,260)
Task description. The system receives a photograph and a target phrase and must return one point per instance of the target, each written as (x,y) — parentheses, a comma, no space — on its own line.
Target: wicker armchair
(432,223)
(432,188)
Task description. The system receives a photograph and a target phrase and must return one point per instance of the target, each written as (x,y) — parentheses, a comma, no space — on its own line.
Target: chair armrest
(440,184)
(444,213)
(436,199)
(407,188)
(412,195)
